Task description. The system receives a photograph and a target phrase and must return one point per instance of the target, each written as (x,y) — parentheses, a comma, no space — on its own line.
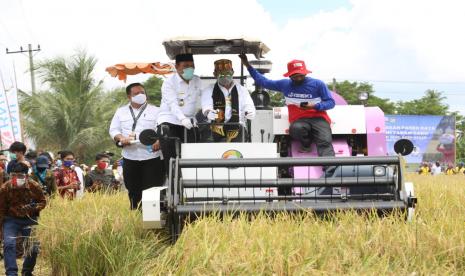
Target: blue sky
(394,89)
(282,11)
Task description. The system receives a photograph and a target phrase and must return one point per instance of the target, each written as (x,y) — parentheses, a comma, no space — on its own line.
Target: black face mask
(41,169)
(298,82)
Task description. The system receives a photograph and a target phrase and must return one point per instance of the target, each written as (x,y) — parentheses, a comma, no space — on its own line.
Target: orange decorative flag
(122,70)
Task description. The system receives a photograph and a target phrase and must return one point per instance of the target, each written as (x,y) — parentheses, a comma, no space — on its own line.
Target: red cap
(296,67)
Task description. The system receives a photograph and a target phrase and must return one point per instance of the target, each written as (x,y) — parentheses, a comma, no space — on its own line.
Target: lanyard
(138,116)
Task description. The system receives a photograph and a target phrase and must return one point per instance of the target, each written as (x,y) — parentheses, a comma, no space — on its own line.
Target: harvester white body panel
(151,203)
(261,130)
(229,151)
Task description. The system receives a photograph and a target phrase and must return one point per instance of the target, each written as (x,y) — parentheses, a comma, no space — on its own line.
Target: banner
(433,137)
(12,96)
(10,126)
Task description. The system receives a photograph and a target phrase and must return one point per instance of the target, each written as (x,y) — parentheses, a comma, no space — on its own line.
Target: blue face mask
(188,73)
(68,163)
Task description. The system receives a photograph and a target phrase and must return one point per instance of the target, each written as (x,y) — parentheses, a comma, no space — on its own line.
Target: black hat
(184,57)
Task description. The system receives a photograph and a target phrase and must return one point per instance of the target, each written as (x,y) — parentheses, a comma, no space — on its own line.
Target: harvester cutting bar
(289,161)
(300,197)
(289,182)
(317,207)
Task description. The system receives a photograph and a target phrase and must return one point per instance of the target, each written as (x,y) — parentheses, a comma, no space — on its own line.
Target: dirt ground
(40,269)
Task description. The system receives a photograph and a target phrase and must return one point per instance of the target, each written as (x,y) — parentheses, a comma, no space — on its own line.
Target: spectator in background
(43,175)
(424,169)
(460,169)
(66,178)
(436,168)
(101,178)
(31,157)
(3,164)
(118,172)
(85,169)
(48,155)
(80,174)
(450,169)
(17,152)
(21,200)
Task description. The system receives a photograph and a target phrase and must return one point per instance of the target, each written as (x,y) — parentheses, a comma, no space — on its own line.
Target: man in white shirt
(227,104)
(142,167)
(179,102)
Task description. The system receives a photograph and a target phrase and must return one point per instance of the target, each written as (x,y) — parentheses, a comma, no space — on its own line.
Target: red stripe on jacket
(296,113)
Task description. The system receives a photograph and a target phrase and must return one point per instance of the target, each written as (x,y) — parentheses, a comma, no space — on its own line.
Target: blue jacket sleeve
(327,101)
(264,82)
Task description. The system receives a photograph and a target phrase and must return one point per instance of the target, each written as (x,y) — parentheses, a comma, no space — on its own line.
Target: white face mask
(20,182)
(139,99)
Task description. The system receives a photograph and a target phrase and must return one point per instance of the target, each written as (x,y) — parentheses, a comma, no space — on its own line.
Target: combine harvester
(268,174)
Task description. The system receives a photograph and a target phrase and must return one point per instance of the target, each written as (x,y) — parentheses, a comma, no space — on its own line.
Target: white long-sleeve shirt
(122,124)
(179,99)
(245,101)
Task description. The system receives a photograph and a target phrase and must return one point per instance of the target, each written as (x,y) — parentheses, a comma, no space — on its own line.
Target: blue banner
(433,137)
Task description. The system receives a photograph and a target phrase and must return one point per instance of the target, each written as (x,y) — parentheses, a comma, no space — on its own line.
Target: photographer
(101,178)
(21,200)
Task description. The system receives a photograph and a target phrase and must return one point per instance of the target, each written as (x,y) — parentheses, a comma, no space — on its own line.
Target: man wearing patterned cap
(180,99)
(227,104)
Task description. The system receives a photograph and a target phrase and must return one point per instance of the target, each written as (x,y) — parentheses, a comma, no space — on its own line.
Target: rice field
(98,235)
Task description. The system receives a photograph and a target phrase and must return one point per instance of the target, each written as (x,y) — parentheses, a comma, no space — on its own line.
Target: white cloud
(372,40)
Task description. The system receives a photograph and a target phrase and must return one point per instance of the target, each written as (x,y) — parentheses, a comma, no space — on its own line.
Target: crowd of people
(435,168)
(28,179)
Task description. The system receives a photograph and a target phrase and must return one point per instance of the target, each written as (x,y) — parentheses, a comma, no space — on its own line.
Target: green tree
(430,104)
(153,89)
(350,91)
(73,113)
(460,131)
(276,99)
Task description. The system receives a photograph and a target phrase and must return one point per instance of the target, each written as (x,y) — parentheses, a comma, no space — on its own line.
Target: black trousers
(317,130)
(141,175)
(168,146)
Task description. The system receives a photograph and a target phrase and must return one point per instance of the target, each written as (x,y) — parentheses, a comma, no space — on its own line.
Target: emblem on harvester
(232,154)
